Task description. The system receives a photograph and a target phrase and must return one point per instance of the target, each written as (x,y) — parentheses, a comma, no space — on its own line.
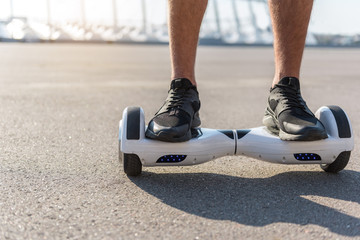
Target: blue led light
(171,158)
(307,157)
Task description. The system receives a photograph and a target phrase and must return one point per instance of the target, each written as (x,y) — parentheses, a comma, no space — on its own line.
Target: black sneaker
(179,114)
(288,116)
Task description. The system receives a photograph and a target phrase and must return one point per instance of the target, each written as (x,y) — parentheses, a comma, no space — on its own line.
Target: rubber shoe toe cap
(168,134)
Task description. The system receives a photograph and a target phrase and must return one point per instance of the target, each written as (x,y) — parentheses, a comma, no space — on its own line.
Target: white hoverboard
(332,153)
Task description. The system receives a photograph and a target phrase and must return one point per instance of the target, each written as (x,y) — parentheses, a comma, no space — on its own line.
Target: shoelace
(178,98)
(291,98)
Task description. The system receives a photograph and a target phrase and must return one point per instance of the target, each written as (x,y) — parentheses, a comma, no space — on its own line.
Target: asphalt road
(59,171)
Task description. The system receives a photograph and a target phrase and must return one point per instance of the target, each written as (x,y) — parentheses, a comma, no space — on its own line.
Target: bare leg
(287,113)
(180,112)
(290,19)
(185,17)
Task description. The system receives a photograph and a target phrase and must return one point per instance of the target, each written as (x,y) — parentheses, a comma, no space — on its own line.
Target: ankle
(190,77)
(278,80)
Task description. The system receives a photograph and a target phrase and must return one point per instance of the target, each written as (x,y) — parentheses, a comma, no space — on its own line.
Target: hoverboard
(332,153)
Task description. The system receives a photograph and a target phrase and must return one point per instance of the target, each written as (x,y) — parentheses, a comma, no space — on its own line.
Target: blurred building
(231,22)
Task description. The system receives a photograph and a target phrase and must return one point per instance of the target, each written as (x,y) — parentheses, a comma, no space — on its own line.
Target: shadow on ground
(260,201)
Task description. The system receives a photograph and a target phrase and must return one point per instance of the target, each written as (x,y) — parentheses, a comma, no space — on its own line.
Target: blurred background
(333,22)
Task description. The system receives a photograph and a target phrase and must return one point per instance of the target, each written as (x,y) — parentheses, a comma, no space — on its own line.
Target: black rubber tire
(342,122)
(339,164)
(132,164)
(133,123)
